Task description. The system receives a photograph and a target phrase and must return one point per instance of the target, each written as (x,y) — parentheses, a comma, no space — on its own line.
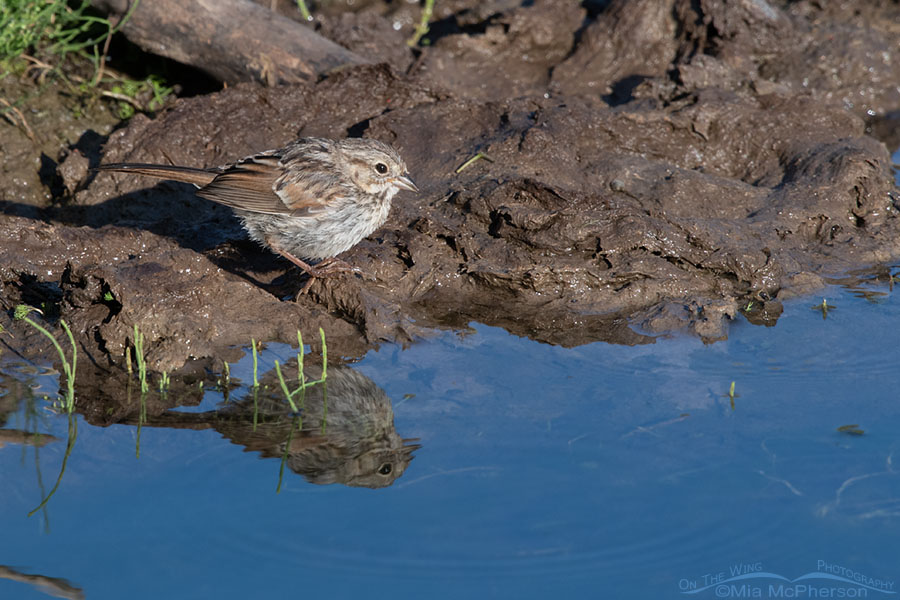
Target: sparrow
(309,201)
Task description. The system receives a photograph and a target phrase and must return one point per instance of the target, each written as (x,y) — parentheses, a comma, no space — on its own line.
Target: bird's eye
(385,469)
(381,168)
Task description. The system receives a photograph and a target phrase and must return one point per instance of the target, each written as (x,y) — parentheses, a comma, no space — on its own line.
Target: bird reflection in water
(344,432)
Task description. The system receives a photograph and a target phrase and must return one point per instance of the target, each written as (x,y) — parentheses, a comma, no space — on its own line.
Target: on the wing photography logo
(752,580)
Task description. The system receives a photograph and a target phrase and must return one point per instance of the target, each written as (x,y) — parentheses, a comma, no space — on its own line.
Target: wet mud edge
(625,193)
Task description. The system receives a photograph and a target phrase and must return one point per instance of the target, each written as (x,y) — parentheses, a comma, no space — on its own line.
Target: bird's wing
(248,185)
(251,185)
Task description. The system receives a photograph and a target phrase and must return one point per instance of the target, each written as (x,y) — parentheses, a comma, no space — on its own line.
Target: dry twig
(22,122)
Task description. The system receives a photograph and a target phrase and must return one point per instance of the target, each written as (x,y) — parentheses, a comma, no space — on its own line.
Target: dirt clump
(646,167)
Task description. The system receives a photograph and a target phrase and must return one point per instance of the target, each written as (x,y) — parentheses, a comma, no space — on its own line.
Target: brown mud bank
(651,166)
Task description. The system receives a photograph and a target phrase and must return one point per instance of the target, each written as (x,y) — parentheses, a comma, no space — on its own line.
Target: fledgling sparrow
(312,199)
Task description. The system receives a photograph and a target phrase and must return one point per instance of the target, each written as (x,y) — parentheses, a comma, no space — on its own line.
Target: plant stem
(304,11)
(68,367)
(422,27)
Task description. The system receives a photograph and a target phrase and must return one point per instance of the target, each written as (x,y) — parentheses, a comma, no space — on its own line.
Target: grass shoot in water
(21,313)
(301,376)
(141,360)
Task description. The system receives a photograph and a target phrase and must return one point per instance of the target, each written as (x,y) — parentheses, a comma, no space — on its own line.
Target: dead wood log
(232,40)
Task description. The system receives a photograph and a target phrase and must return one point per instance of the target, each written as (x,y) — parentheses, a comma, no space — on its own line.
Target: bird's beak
(405,183)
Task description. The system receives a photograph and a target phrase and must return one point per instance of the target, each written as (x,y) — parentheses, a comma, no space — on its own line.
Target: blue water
(594,472)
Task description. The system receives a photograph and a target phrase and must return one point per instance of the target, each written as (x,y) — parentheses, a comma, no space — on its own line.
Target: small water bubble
(397,25)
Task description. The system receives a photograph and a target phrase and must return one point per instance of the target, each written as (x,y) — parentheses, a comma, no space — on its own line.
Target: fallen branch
(232,40)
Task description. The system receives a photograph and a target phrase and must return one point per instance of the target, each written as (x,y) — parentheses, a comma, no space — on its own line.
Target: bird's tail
(199,177)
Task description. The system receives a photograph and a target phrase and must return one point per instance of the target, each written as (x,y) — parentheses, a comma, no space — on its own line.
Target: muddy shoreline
(653,167)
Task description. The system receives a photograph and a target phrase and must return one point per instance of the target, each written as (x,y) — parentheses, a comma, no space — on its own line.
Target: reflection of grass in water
(141,360)
(255,383)
(142,418)
(21,313)
(296,425)
(73,434)
(33,420)
(324,404)
(255,407)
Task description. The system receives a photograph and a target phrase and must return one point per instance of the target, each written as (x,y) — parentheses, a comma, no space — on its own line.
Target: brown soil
(654,166)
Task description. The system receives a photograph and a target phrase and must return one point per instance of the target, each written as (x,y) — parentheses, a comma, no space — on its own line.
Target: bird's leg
(325,268)
(308,269)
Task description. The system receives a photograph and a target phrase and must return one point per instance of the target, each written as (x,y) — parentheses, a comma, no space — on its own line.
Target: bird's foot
(328,267)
